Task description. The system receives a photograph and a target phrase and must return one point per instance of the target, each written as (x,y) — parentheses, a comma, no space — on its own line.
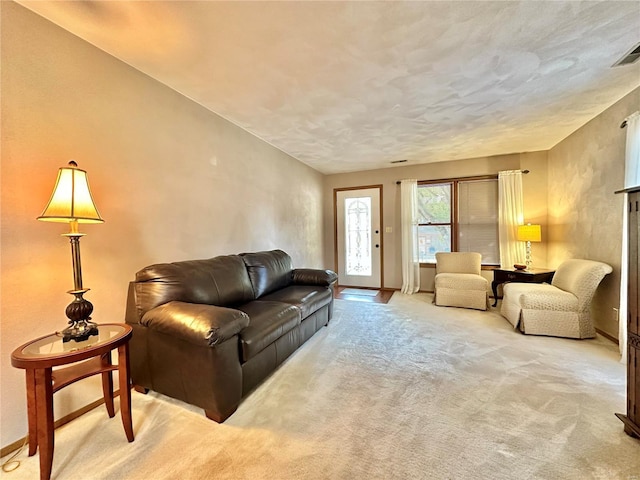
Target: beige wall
(585,216)
(172,180)
(535,202)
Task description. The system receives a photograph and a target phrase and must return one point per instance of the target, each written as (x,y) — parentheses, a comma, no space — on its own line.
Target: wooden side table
(38,357)
(532,275)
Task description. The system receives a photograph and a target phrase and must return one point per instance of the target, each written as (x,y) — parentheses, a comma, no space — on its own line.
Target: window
(434,220)
(458,216)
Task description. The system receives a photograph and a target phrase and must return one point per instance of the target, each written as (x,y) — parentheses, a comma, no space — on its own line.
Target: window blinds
(478,219)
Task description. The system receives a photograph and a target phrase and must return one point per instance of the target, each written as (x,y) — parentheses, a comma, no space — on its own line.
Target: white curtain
(631,179)
(409,227)
(510,215)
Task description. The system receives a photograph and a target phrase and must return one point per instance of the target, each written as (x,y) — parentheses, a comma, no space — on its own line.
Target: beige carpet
(406,390)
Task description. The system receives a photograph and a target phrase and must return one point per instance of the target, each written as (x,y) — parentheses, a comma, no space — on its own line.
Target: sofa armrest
(311,276)
(200,324)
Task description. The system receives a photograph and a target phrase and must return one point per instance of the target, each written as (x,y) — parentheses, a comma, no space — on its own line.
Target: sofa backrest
(268,271)
(458,262)
(221,281)
(580,277)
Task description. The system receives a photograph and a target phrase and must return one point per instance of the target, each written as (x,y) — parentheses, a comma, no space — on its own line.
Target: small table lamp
(529,233)
(71,202)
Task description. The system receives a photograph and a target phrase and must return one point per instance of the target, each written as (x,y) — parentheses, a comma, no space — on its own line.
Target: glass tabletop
(53,344)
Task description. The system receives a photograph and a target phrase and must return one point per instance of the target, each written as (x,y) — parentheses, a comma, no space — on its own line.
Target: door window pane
(358,236)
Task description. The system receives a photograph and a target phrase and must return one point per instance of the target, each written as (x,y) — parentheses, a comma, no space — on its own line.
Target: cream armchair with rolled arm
(458,282)
(561,309)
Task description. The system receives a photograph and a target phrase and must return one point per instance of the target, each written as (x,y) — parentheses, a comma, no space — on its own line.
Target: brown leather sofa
(208,331)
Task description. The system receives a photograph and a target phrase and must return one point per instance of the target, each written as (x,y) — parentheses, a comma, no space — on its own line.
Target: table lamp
(71,202)
(529,233)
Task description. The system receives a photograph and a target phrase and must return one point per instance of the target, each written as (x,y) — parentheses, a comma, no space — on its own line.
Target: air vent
(629,57)
(399,161)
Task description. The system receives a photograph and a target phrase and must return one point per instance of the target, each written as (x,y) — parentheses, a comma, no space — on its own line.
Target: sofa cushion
(307,298)
(460,281)
(268,271)
(268,322)
(540,296)
(221,281)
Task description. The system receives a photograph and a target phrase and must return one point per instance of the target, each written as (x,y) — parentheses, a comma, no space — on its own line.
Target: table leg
(31,411)
(494,288)
(44,415)
(125,390)
(107,384)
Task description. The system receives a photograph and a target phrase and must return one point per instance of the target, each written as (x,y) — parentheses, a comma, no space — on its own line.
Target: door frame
(335,230)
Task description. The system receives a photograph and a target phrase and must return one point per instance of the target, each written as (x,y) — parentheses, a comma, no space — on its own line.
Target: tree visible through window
(458,216)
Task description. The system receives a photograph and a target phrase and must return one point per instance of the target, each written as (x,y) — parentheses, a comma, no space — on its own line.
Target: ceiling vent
(629,57)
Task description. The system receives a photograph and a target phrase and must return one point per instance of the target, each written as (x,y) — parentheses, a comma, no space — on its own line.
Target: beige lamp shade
(529,233)
(71,199)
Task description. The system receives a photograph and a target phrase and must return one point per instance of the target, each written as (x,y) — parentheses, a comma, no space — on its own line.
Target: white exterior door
(358,237)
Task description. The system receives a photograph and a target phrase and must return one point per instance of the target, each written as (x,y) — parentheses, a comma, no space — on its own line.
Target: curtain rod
(523,171)
(624,122)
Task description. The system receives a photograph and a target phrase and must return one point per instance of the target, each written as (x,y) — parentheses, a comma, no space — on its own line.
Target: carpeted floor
(405,390)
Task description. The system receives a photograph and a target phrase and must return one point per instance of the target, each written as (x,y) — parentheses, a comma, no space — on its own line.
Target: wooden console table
(532,275)
(38,357)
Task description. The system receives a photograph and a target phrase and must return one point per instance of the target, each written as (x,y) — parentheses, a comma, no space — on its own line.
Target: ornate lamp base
(79,331)
(528,257)
(79,313)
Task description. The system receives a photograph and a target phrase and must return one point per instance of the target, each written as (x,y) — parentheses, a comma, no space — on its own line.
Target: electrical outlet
(616,315)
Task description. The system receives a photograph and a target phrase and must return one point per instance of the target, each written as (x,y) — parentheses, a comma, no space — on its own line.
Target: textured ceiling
(348,86)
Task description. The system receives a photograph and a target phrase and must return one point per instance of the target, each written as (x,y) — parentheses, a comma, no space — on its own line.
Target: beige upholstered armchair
(561,309)
(458,282)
